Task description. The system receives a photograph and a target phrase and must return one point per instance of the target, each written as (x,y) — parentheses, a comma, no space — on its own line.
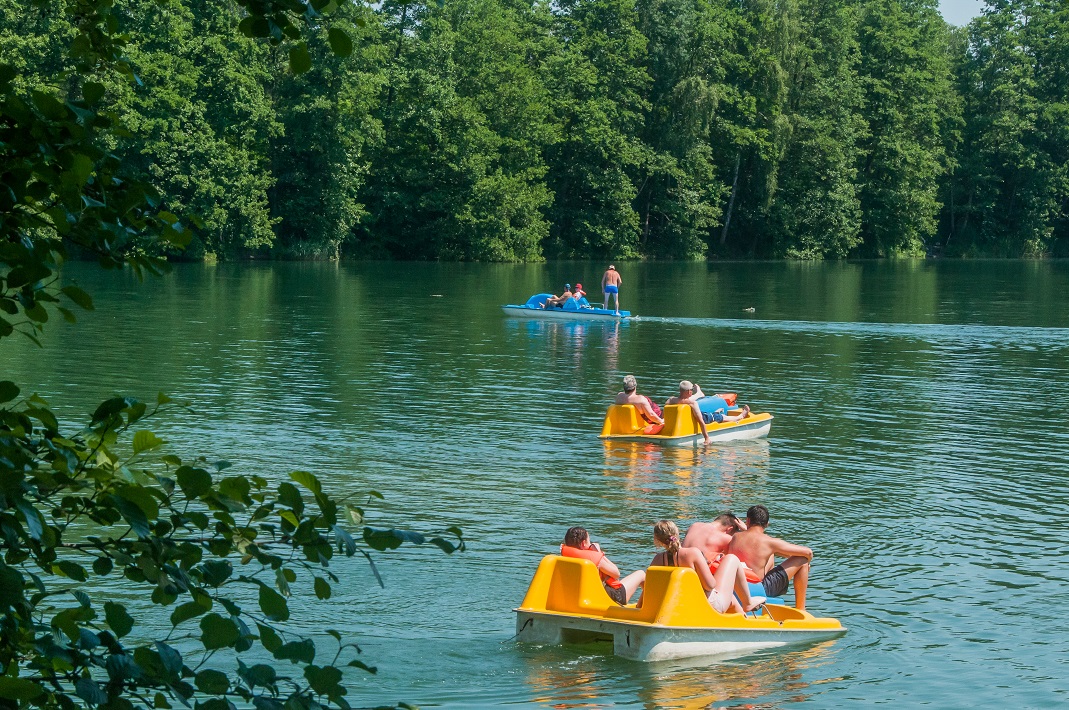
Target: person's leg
(633,581)
(731,577)
(797,569)
(617,297)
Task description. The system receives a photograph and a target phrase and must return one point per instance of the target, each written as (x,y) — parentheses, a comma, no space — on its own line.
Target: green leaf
(218,632)
(340,43)
(109,408)
(80,297)
(145,440)
(186,611)
(11,585)
(19,688)
(71,569)
(88,690)
(8,391)
(92,92)
(261,674)
(102,565)
(363,666)
(297,651)
(194,482)
(273,604)
(117,618)
(300,60)
(322,588)
(268,638)
(325,680)
(307,480)
(215,572)
(212,682)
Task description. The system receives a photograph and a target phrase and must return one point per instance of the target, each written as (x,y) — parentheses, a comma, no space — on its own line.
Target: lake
(919,447)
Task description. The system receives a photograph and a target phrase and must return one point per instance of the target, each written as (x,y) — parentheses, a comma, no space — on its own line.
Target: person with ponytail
(719,587)
(577,544)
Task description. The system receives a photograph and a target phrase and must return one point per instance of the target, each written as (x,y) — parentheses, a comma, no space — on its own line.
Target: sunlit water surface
(919,447)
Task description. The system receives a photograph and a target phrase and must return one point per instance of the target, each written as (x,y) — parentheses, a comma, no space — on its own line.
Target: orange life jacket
(595,556)
(751,576)
(729,397)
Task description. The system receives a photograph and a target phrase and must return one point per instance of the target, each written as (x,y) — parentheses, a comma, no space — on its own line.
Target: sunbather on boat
(577,544)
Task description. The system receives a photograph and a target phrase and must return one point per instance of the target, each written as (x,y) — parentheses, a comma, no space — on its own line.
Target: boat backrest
(679,421)
(568,585)
(672,596)
(571,305)
(538,299)
(622,419)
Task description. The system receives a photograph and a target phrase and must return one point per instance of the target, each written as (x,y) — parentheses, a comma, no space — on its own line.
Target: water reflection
(571,340)
(722,683)
(579,677)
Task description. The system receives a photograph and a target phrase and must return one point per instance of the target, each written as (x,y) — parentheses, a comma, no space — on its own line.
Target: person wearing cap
(645,406)
(760,550)
(689,394)
(578,292)
(557,301)
(610,286)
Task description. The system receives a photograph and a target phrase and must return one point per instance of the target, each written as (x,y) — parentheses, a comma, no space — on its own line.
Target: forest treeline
(512,130)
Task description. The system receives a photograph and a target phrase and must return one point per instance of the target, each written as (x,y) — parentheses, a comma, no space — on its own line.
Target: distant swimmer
(577,544)
(751,309)
(759,550)
(610,286)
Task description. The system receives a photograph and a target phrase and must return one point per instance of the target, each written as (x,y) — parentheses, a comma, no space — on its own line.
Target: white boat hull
(647,642)
(561,314)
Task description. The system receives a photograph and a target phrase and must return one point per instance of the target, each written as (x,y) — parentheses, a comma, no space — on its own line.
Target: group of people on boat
(610,287)
(706,409)
(727,554)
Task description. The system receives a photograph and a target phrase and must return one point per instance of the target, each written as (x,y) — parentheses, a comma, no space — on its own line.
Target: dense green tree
(908,92)
(816,211)
(1009,194)
(599,81)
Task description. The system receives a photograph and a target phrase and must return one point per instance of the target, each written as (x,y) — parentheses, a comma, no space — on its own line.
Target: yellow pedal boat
(623,423)
(567,604)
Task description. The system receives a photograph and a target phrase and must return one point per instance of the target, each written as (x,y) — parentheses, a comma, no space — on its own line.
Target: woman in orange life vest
(577,544)
(719,587)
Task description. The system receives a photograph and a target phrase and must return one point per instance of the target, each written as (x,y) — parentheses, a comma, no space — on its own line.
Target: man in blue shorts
(759,551)
(610,286)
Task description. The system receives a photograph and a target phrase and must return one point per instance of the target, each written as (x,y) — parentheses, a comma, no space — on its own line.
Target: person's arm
(698,394)
(608,568)
(647,410)
(699,564)
(782,548)
(697,414)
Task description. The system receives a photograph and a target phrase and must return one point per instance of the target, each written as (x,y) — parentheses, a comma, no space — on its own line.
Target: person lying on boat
(558,301)
(646,407)
(719,587)
(759,551)
(711,408)
(577,544)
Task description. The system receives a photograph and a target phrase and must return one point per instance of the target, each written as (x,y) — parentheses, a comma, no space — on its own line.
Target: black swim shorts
(775,582)
(617,594)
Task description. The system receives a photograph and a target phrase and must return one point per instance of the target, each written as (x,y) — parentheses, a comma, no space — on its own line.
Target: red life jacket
(595,556)
(751,576)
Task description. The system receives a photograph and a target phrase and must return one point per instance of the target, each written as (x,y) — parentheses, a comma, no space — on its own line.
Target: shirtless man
(713,538)
(610,286)
(561,299)
(759,551)
(640,402)
(689,394)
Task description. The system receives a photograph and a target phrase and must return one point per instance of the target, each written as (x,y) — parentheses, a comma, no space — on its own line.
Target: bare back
(611,278)
(688,557)
(710,538)
(754,548)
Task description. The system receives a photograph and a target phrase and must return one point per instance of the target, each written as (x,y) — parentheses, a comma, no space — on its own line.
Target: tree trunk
(731,200)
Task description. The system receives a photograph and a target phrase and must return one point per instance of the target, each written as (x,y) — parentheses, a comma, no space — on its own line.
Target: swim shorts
(609,288)
(710,417)
(617,594)
(719,602)
(776,582)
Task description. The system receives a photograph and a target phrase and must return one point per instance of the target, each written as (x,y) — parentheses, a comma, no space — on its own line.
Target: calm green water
(919,446)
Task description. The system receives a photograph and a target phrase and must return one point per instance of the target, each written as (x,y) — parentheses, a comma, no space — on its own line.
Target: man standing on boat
(759,550)
(610,286)
(643,404)
(689,394)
